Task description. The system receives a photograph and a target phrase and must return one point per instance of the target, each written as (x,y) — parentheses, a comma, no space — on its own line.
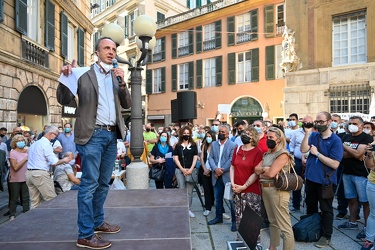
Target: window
(129,23)
(350,98)
(33,11)
(71,40)
(159,16)
(209,37)
(280,17)
(244,67)
(183,43)
(243,28)
(210,72)
(157,51)
(157,81)
(349,39)
(183,80)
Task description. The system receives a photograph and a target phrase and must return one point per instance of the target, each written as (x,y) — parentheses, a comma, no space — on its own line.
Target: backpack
(308,228)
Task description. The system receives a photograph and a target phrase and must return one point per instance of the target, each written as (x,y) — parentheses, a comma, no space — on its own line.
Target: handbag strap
(324,166)
(182,155)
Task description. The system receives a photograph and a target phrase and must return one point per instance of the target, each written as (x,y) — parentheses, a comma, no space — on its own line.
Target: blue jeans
(98,156)
(219,205)
(370,229)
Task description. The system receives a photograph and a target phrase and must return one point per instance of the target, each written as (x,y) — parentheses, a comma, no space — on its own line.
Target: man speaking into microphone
(101,92)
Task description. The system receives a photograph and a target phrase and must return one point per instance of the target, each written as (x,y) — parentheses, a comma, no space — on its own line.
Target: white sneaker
(226,216)
(206,212)
(191,214)
(11,218)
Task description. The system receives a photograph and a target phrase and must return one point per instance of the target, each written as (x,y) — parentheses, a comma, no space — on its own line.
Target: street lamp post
(145,28)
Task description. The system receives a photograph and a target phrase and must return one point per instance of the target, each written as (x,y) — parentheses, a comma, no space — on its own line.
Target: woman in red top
(245,183)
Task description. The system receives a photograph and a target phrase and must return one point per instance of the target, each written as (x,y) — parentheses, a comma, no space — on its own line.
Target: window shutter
(21,16)
(199,3)
(230,28)
(95,38)
(174,77)
(191,41)
(64,34)
(270,63)
(188,3)
(50,26)
(149,81)
(218,34)
(268,21)
(1,10)
(81,48)
(126,26)
(163,80)
(219,75)
(191,75)
(255,65)
(162,48)
(254,24)
(199,38)
(174,45)
(199,73)
(232,68)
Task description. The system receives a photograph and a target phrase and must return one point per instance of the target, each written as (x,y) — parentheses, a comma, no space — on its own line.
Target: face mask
(163,139)
(215,129)
(239,132)
(19,133)
(258,129)
(300,124)
(67,130)
(106,67)
(21,144)
(292,123)
(321,128)
(208,139)
(353,129)
(367,131)
(60,131)
(271,144)
(245,139)
(186,137)
(72,162)
(202,135)
(334,125)
(221,137)
(148,129)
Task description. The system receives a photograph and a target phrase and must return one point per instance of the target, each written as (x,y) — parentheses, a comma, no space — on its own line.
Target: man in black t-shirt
(355,173)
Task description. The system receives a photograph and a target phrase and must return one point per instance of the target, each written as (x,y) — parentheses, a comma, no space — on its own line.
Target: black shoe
(233,227)
(7,213)
(215,221)
(341,216)
(358,218)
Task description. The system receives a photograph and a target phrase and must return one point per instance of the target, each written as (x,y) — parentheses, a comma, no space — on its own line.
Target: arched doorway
(246,108)
(32,108)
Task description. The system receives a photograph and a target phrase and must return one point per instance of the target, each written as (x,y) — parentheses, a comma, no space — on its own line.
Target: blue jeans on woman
(370,225)
(98,156)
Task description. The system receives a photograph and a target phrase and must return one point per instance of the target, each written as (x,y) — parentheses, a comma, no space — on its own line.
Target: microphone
(115,65)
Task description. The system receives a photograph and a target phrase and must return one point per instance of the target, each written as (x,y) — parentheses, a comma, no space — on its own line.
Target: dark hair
(294,114)
(3,129)
(371,124)
(279,127)
(356,117)
(213,136)
(100,39)
(165,132)
(181,132)
(67,124)
(242,122)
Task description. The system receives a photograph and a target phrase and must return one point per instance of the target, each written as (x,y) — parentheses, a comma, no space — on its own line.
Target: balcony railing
(182,51)
(197,12)
(157,56)
(280,27)
(209,44)
(34,53)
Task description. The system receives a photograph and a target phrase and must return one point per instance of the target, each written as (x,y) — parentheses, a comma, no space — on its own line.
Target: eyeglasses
(55,134)
(320,122)
(215,124)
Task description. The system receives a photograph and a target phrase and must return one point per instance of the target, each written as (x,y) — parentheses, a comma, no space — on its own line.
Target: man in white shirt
(40,157)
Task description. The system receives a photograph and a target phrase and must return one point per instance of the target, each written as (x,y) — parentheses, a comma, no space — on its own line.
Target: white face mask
(106,67)
(353,129)
(72,162)
(367,131)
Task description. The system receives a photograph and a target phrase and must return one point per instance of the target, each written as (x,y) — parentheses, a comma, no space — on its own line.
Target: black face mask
(148,130)
(321,128)
(239,132)
(1,136)
(245,139)
(186,137)
(221,137)
(271,144)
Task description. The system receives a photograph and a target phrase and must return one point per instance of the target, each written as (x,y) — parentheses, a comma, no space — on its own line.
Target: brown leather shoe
(107,229)
(96,242)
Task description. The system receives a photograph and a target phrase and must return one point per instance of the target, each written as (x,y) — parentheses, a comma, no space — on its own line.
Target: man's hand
(219,171)
(118,72)
(313,150)
(67,69)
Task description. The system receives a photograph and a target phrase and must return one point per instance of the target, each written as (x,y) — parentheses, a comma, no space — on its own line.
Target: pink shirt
(20,175)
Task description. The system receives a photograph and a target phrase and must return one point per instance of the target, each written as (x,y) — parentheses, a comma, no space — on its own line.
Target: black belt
(36,169)
(106,127)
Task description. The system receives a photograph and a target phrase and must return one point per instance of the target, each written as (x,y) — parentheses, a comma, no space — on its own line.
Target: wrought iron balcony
(34,53)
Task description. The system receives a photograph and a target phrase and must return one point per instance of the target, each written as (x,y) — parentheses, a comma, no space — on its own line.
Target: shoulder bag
(287,181)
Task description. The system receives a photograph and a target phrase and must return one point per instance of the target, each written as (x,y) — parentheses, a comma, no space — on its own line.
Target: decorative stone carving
(290,61)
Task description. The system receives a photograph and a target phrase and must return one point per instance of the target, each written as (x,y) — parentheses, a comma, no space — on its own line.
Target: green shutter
(162,48)
(268,21)
(191,41)
(21,16)
(191,75)
(126,26)
(219,74)
(199,73)
(1,10)
(255,65)
(163,80)
(218,34)
(188,3)
(174,77)
(81,47)
(50,26)
(198,38)
(270,62)
(199,3)
(149,81)
(94,39)
(230,30)
(254,24)
(232,68)
(64,35)
(174,46)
